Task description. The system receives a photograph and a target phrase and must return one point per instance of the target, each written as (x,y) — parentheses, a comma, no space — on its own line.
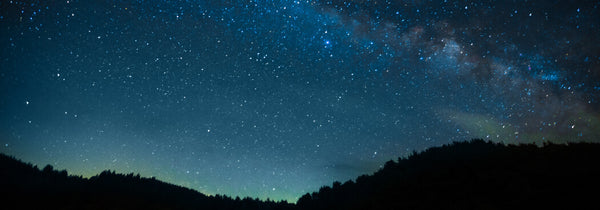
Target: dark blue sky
(276,98)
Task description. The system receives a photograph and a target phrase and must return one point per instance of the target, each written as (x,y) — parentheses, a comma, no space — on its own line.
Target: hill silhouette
(26,187)
(463,175)
(474,175)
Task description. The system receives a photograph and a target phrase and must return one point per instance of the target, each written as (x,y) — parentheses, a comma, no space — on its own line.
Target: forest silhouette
(463,175)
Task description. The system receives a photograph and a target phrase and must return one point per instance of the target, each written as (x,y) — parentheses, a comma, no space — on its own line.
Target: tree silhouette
(473,175)
(463,175)
(51,189)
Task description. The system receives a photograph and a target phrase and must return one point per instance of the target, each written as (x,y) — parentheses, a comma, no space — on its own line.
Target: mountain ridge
(462,175)
(473,175)
(54,189)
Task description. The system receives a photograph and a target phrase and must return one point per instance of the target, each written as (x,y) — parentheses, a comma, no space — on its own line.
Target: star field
(274,98)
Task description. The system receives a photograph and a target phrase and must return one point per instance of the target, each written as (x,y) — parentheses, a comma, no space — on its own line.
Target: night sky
(275,98)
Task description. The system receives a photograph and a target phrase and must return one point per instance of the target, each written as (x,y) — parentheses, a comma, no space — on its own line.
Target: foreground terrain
(466,175)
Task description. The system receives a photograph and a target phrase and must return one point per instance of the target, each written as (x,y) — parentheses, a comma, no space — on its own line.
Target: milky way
(275,98)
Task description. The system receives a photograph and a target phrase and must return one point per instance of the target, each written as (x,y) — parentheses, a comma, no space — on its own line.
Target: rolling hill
(463,175)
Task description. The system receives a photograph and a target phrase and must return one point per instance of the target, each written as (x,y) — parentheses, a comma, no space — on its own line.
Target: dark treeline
(474,175)
(466,175)
(26,187)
